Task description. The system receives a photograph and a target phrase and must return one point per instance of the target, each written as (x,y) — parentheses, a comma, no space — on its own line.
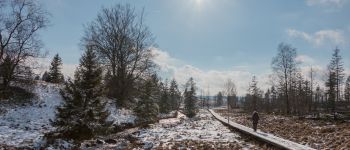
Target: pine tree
(164,103)
(336,66)
(45,76)
(331,91)
(190,99)
(254,91)
(267,102)
(55,75)
(175,95)
(83,114)
(335,80)
(147,108)
(219,99)
(347,90)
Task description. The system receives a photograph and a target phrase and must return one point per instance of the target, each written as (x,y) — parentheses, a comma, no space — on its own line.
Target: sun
(198,2)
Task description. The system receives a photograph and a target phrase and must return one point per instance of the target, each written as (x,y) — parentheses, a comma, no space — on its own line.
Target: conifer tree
(164,102)
(190,99)
(83,114)
(254,92)
(174,95)
(336,67)
(347,90)
(45,76)
(55,74)
(147,108)
(331,91)
(219,99)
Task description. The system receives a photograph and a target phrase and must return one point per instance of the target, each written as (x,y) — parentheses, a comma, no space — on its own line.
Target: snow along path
(23,126)
(280,142)
(202,128)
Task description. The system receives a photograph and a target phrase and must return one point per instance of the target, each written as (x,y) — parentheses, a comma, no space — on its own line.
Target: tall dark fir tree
(347,90)
(147,108)
(83,114)
(175,95)
(190,99)
(164,102)
(55,74)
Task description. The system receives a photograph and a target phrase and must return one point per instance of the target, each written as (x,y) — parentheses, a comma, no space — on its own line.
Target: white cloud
(326,3)
(304,59)
(215,79)
(319,38)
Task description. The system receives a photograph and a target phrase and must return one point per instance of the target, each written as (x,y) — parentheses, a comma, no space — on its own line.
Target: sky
(215,40)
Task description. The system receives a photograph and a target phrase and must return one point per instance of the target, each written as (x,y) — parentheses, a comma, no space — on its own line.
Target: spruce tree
(175,95)
(331,91)
(335,79)
(347,90)
(190,99)
(83,114)
(45,76)
(164,103)
(254,91)
(336,66)
(219,99)
(147,108)
(55,75)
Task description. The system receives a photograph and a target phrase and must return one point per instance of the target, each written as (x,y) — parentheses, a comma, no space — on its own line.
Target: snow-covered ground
(23,126)
(120,116)
(183,132)
(200,132)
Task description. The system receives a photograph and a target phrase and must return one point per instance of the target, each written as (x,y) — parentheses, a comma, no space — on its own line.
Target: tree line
(294,93)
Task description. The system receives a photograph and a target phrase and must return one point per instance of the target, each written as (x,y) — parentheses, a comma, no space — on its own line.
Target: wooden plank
(269,138)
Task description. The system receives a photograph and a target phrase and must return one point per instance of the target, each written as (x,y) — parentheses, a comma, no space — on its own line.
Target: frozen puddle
(202,129)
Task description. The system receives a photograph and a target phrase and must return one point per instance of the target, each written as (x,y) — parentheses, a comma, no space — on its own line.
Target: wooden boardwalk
(265,137)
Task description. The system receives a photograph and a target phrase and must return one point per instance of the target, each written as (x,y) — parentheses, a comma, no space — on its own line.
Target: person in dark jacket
(255,119)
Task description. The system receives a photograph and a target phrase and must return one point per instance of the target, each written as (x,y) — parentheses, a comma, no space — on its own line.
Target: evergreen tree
(331,91)
(219,99)
(347,90)
(336,67)
(335,80)
(190,99)
(267,101)
(254,91)
(55,75)
(164,103)
(175,95)
(83,114)
(147,108)
(45,76)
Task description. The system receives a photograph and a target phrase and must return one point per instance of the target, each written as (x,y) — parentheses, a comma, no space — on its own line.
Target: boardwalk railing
(269,138)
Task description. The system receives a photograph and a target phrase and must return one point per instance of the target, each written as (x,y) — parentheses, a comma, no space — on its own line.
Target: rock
(111,141)
(148,145)
(98,141)
(122,146)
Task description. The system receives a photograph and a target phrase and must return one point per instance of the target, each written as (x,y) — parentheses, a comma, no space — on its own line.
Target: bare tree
(20,21)
(122,40)
(231,93)
(284,66)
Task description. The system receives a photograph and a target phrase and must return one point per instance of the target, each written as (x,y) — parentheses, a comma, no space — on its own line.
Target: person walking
(255,119)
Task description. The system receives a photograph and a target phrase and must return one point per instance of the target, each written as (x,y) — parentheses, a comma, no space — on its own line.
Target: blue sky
(213,40)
